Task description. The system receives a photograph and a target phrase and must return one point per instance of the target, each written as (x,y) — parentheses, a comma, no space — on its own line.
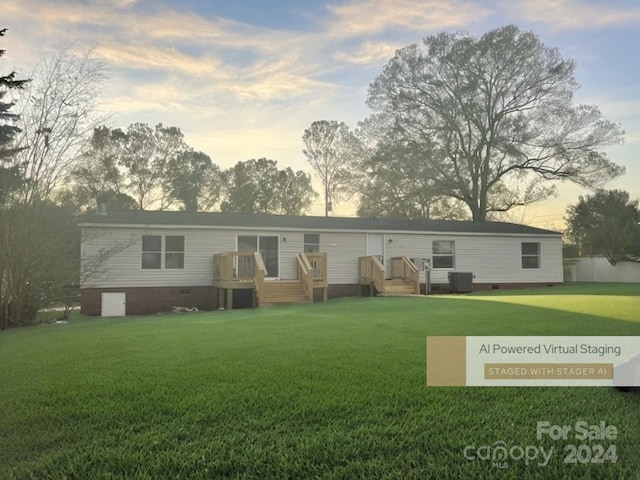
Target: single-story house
(136,262)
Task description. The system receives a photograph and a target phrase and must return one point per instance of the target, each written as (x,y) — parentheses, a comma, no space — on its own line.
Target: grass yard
(333,390)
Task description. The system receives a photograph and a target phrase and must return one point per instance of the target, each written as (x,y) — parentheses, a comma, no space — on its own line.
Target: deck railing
(372,271)
(403,268)
(243,270)
(259,273)
(305,274)
(318,263)
(234,267)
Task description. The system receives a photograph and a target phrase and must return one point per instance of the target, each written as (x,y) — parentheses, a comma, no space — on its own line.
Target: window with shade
(311,242)
(444,253)
(530,254)
(160,252)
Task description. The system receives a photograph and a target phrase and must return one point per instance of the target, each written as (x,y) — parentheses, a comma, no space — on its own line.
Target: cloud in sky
(576,14)
(367,17)
(368,53)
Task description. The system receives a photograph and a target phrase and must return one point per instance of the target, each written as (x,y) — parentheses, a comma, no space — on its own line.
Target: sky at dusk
(242,79)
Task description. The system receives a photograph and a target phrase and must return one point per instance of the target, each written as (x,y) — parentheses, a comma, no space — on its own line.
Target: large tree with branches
(334,152)
(493,118)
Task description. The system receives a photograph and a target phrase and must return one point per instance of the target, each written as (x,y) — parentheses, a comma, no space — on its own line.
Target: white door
(114,304)
(375,245)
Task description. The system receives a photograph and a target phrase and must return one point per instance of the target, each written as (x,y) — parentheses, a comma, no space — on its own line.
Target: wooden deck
(246,271)
(404,279)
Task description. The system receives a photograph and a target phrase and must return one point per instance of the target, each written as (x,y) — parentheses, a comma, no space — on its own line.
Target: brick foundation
(477,287)
(145,300)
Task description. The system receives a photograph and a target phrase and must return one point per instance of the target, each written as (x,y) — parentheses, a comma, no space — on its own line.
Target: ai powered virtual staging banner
(533,361)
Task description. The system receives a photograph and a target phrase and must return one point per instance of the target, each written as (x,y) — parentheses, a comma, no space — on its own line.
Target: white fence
(598,269)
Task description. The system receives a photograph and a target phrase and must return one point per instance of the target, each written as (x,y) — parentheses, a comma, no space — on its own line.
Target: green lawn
(333,390)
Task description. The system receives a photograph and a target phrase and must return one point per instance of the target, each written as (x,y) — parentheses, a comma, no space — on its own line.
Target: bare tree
(39,256)
(334,152)
(58,117)
(39,241)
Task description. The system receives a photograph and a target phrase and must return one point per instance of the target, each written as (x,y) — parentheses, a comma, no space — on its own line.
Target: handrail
(233,266)
(259,273)
(318,263)
(305,274)
(402,267)
(371,270)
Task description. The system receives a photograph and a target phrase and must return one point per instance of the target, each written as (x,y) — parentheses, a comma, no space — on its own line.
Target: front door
(267,245)
(375,245)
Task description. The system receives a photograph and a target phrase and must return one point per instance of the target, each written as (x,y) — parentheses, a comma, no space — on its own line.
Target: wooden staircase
(398,286)
(404,279)
(283,292)
(245,270)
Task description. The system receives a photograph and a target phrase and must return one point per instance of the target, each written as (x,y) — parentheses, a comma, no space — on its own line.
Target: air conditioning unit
(460,282)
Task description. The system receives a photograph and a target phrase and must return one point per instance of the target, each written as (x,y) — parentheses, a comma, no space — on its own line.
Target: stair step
(283,293)
(284,302)
(292,296)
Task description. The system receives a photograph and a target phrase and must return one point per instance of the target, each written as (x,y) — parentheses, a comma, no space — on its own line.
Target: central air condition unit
(460,282)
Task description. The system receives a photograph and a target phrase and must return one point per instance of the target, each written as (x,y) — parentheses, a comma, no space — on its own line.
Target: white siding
(406,245)
(343,250)
(124,268)
(491,258)
(293,245)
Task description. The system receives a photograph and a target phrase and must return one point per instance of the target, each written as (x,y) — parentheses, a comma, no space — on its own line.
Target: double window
(444,254)
(162,251)
(530,254)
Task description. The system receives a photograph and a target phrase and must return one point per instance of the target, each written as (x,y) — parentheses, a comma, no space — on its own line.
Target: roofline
(312,229)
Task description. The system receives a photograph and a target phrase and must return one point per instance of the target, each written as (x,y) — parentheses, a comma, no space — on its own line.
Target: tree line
(146,167)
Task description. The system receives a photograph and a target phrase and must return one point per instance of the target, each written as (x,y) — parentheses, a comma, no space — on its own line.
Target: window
(530,255)
(174,252)
(155,248)
(311,242)
(151,251)
(444,254)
